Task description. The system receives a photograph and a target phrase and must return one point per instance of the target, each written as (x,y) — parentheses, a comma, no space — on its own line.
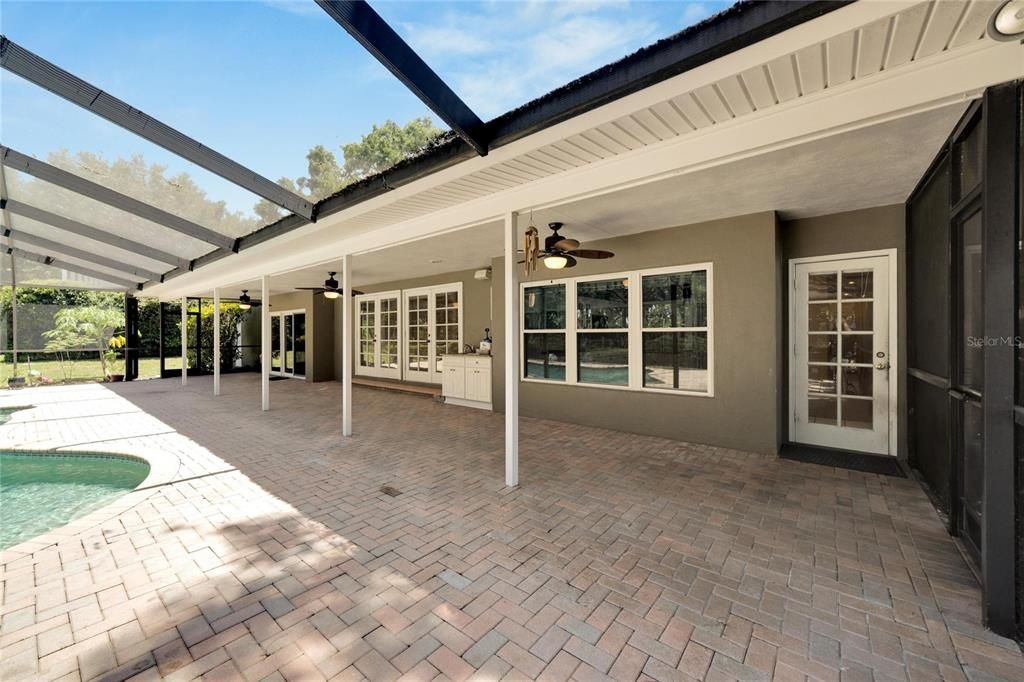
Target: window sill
(629,389)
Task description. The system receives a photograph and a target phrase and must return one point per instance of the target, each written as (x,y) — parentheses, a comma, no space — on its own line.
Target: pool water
(42,492)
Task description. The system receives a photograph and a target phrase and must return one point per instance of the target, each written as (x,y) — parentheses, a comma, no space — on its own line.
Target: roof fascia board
(59,222)
(58,176)
(49,76)
(370,30)
(902,92)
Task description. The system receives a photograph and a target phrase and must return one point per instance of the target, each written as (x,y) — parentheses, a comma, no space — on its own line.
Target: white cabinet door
(478,384)
(454,384)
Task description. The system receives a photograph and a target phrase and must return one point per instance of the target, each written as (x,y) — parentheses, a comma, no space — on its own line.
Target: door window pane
(300,343)
(858,316)
(544,356)
(603,358)
(858,414)
(676,360)
(418,361)
(821,379)
(821,286)
(275,343)
(821,347)
(289,345)
(858,348)
(821,410)
(602,305)
(821,317)
(858,284)
(675,300)
(857,381)
(544,307)
(967,158)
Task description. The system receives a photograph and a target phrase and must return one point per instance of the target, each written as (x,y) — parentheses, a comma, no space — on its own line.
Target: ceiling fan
(330,288)
(245,300)
(559,252)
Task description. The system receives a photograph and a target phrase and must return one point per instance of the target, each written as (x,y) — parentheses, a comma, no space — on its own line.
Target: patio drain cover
(388,490)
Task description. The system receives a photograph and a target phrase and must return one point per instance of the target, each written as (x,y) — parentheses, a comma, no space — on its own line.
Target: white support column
(265,341)
(346,346)
(511,350)
(184,340)
(216,342)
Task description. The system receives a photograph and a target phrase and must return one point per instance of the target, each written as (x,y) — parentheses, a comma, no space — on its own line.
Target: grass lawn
(83,370)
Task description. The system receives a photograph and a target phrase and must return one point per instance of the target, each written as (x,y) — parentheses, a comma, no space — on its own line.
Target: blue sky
(262,82)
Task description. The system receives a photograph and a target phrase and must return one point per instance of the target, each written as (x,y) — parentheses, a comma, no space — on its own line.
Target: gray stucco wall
(476,306)
(743,413)
(882,227)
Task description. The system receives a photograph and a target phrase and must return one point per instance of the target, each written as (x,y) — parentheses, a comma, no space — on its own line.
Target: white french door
(288,343)
(433,327)
(842,391)
(378,344)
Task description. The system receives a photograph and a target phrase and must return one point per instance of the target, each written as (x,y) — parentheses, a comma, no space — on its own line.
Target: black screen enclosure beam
(35,69)
(70,267)
(57,176)
(59,222)
(50,246)
(371,31)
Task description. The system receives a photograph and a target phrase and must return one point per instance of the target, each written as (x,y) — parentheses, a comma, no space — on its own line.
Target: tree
(93,325)
(381,148)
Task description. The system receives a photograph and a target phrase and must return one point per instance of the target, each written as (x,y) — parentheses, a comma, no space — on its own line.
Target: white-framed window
(647,330)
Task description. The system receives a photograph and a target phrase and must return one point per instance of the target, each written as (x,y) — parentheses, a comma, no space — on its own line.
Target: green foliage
(383,147)
(37,306)
(86,327)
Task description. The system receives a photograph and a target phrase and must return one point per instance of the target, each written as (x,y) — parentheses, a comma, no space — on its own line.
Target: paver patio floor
(266,549)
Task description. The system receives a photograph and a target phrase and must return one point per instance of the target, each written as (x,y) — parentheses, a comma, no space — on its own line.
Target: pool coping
(162,470)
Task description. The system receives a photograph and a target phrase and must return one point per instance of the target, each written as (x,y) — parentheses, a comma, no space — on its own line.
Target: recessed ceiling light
(1008,21)
(436,260)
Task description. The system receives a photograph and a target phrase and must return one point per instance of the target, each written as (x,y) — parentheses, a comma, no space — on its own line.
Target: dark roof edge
(744,24)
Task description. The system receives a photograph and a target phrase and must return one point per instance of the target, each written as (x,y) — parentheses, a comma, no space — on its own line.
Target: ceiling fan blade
(591,253)
(566,245)
(570,262)
(316,289)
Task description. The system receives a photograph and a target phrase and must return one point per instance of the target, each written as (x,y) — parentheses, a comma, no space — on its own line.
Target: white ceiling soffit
(857,66)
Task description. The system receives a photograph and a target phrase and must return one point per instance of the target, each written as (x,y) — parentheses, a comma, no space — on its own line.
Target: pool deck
(262,547)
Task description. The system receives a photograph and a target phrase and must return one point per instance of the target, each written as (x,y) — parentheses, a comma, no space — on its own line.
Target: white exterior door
(377,335)
(842,389)
(433,327)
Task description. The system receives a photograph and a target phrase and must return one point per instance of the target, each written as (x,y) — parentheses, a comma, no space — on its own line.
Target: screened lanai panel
(261,83)
(48,128)
(26,189)
(33,231)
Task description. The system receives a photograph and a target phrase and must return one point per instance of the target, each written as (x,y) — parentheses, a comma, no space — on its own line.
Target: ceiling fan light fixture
(331,294)
(1008,21)
(244,302)
(555,262)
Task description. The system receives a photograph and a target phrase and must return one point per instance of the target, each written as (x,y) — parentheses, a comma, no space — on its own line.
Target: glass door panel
(299,323)
(417,313)
(289,345)
(367,336)
(275,343)
(447,328)
(388,349)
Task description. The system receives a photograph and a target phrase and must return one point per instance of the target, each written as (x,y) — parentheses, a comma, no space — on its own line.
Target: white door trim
(894,336)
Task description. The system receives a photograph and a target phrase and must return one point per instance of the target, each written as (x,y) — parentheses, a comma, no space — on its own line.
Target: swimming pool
(40,492)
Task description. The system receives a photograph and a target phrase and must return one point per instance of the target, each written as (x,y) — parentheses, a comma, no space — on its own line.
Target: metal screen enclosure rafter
(70,267)
(59,222)
(70,181)
(35,69)
(48,245)
(371,31)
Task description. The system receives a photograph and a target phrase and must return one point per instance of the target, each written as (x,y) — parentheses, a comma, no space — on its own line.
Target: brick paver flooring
(265,549)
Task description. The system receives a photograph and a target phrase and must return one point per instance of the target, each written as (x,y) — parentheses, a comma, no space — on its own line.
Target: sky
(262,82)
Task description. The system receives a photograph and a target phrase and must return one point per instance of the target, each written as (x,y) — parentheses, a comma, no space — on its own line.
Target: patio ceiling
(88,206)
(853,69)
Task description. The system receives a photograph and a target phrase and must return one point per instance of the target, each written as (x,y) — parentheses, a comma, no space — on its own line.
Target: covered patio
(269,547)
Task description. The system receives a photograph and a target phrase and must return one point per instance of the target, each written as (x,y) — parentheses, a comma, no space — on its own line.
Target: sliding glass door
(288,344)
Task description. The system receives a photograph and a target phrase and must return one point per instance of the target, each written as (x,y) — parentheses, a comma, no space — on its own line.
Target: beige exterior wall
(476,305)
(883,227)
(743,413)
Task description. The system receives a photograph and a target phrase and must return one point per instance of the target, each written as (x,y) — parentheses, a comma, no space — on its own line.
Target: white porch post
(265,341)
(346,346)
(511,350)
(216,342)
(184,340)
